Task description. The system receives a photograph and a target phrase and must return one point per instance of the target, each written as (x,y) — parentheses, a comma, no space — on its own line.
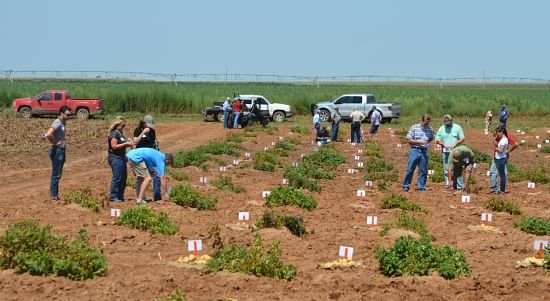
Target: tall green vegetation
(417,99)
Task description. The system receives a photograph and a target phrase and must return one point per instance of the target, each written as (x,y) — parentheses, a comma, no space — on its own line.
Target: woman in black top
(144,136)
(117,159)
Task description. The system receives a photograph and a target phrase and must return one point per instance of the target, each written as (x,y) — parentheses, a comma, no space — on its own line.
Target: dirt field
(137,260)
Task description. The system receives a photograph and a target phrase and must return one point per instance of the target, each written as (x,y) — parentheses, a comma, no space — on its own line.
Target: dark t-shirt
(147,140)
(121,152)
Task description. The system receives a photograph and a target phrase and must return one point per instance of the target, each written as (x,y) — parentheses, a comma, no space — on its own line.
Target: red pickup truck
(49,102)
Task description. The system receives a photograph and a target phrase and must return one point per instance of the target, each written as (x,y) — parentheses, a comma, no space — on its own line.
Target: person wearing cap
(460,161)
(449,136)
(145,137)
(145,161)
(316,121)
(503,116)
(420,136)
(226,112)
(356,119)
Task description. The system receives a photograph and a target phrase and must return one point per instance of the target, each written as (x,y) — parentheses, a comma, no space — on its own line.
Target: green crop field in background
(165,97)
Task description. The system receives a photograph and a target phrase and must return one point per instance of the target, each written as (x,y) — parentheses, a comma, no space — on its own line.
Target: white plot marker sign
(284,181)
(223,169)
(539,247)
(265,193)
(346,252)
(115,212)
(194,246)
(372,220)
(351,171)
(361,195)
(235,162)
(360,164)
(203,180)
(465,200)
(368,184)
(486,218)
(430,172)
(244,216)
(530,185)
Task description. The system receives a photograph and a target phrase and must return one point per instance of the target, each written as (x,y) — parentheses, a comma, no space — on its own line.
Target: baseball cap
(447,117)
(149,121)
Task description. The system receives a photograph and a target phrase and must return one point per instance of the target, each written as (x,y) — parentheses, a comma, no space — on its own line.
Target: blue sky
(392,37)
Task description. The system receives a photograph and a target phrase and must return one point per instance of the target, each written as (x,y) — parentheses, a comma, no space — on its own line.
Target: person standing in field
(117,159)
(144,161)
(502,148)
(237,110)
(419,136)
(58,144)
(460,161)
(336,118)
(493,171)
(356,119)
(375,119)
(503,116)
(145,137)
(488,119)
(316,122)
(449,136)
(226,112)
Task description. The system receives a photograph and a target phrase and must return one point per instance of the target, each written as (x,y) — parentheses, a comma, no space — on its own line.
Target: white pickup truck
(277,111)
(362,102)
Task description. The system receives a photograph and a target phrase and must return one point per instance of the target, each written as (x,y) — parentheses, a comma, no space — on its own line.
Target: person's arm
(137,138)
(116,145)
(49,136)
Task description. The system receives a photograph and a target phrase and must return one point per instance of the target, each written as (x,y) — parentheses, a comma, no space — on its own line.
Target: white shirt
(375,118)
(503,142)
(316,119)
(357,116)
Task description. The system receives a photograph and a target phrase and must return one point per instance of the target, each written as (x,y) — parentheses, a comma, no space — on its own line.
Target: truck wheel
(324,115)
(278,116)
(82,113)
(220,117)
(25,112)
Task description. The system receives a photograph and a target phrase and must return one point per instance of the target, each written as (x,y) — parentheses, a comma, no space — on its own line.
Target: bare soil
(138,261)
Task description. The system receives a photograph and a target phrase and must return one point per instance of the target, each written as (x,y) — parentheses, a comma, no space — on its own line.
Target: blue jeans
(356,131)
(335,130)
(460,178)
(417,157)
(118,181)
(236,121)
(156,184)
(498,166)
(57,156)
(226,115)
(493,172)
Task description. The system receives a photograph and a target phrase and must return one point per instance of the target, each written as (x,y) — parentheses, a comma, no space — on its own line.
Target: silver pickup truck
(362,102)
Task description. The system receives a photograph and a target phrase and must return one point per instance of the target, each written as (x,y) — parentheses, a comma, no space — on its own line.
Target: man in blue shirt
(145,162)
(420,135)
(503,118)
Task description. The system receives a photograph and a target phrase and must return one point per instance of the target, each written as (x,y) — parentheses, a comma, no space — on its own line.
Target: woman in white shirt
(501,158)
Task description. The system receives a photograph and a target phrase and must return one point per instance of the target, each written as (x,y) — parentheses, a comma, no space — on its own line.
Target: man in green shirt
(448,137)
(460,161)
